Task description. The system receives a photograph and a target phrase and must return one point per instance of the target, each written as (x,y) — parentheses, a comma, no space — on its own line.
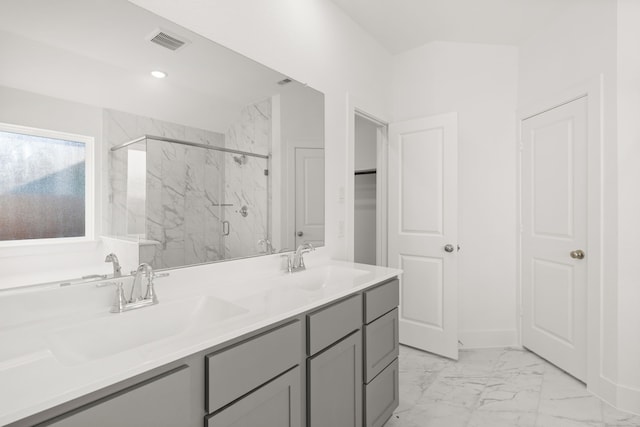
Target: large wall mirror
(222,158)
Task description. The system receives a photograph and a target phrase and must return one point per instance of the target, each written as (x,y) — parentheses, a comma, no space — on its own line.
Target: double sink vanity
(250,342)
(238,343)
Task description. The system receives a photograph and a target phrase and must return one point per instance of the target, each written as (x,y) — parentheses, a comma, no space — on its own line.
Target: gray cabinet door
(276,404)
(381,396)
(163,401)
(335,385)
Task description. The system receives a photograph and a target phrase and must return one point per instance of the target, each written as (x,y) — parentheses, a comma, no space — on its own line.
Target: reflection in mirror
(190,203)
(41,173)
(200,166)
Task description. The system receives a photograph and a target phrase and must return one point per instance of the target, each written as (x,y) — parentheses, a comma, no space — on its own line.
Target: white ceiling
(97,52)
(401,25)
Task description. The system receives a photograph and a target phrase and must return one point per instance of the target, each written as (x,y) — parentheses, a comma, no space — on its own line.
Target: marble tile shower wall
(245,181)
(183,189)
(183,197)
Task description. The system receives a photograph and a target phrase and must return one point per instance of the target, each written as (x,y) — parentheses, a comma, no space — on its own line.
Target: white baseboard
(605,390)
(488,338)
(621,397)
(628,399)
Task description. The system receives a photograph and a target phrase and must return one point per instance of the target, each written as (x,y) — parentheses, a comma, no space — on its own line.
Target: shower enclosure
(188,202)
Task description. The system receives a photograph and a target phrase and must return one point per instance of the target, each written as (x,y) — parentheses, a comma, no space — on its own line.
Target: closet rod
(366,172)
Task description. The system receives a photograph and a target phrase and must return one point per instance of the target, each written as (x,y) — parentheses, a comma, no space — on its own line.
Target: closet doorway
(370,190)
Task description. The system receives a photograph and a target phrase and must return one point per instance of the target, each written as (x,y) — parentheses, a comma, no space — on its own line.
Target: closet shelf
(365,172)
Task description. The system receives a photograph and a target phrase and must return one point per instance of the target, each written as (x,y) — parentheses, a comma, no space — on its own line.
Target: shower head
(240,160)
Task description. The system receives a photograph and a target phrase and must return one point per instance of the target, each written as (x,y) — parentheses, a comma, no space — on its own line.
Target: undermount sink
(114,333)
(316,278)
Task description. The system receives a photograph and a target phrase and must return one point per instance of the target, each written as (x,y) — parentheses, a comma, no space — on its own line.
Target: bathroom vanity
(313,348)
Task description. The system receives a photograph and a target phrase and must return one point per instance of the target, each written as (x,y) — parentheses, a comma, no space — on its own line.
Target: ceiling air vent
(164,39)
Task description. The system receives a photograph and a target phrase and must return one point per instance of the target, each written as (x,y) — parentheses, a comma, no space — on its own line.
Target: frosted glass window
(42,187)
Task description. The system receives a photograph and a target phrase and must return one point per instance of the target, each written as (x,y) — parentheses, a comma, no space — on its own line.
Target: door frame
(382,144)
(382,156)
(593,91)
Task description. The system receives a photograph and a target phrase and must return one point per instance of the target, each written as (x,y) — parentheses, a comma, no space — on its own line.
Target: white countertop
(35,374)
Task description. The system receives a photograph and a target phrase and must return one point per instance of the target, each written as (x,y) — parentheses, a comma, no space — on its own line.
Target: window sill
(52,246)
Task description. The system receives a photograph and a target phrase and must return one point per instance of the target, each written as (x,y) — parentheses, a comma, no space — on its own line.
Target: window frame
(89,189)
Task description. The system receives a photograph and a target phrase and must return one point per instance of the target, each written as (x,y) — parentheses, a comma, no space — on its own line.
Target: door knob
(578,254)
(300,233)
(448,248)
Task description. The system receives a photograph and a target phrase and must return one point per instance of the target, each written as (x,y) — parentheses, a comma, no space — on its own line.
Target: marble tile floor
(507,387)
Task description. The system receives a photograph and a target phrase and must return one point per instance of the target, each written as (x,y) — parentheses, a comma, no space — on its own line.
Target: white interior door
(554,229)
(423,227)
(309,192)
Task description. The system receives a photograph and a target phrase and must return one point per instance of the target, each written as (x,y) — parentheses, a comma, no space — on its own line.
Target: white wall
(628,108)
(302,112)
(313,42)
(479,82)
(301,126)
(366,144)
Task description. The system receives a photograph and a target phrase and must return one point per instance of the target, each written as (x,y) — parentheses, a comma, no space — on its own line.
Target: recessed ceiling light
(158,74)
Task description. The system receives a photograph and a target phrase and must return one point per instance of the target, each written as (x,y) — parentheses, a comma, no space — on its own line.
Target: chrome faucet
(137,301)
(268,246)
(295,261)
(117,270)
(148,272)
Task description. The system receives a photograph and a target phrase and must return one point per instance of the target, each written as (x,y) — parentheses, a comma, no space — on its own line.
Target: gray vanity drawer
(381,300)
(235,371)
(380,344)
(332,323)
(381,396)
